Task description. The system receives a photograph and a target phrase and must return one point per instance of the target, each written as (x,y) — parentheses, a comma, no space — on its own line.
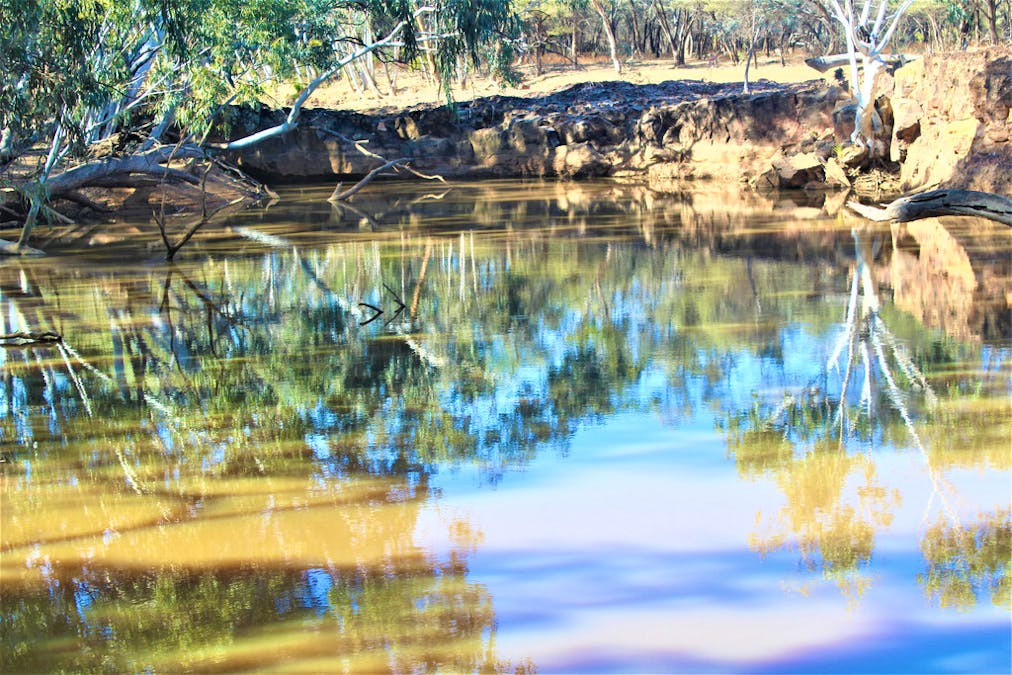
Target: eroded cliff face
(669,130)
(945,117)
(951,121)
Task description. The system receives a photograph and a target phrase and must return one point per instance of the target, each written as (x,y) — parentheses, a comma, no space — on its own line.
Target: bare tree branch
(293,115)
(365,181)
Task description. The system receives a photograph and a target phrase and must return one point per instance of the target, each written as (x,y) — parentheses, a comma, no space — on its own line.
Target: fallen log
(940,203)
(825,63)
(151,162)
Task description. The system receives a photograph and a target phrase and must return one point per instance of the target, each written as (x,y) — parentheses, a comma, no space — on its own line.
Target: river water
(610,430)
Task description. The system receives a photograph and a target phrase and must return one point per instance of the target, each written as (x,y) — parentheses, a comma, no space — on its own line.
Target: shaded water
(612,430)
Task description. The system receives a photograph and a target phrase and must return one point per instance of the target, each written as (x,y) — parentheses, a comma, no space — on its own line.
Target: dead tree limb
(425,176)
(84,200)
(824,63)
(170,248)
(365,181)
(13,248)
(941,203)
(23,338)
(150,162)
(396,164)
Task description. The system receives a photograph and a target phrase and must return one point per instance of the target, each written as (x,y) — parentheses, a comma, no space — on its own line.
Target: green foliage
(86,64)
(971,562)
(45,61)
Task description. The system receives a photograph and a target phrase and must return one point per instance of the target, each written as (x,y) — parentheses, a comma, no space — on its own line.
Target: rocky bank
(945,118)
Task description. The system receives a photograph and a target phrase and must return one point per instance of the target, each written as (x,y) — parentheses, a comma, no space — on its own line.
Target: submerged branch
(25,338)
(340,197)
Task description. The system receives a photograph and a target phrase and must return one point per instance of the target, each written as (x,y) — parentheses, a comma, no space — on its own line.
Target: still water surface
(611,430)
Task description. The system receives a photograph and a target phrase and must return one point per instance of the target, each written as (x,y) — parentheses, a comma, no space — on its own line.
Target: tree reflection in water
(834,504)
(223,450)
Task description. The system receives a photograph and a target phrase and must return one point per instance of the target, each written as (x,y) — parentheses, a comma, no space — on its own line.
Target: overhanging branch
(292,120)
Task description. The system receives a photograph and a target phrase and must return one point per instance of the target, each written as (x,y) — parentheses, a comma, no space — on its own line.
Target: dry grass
(413,89)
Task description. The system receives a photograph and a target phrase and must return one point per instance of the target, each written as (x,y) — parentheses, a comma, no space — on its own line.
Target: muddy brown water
(610,430)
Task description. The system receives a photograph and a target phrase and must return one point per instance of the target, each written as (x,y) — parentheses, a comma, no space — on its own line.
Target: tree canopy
(76,72)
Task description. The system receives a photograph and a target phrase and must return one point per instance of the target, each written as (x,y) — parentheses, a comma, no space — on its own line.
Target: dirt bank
(951,120)
(683,129)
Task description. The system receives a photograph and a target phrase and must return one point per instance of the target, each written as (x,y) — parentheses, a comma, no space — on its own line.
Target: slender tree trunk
(40,190)
(684,35)
(991,12)
(662,19)
(6,145)
(748,58)
(634,25)
(610,33)
(575,42)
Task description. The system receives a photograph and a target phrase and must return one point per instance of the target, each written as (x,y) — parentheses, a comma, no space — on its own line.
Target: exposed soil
(413,89)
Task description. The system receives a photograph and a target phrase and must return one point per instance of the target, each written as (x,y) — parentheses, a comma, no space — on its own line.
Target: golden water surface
(612,429)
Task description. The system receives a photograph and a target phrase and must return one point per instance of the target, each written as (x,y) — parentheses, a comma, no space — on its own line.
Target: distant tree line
(711,30)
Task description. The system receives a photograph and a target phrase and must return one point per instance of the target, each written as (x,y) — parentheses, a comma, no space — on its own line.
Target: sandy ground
(412,88)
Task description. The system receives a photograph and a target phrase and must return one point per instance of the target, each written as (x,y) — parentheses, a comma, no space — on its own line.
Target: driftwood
(12,248)
(825,63)
(941,203)
(396,164)
(24,338)
(340,197)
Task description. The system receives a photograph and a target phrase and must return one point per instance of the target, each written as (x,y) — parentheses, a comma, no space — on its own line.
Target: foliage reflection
(223,445)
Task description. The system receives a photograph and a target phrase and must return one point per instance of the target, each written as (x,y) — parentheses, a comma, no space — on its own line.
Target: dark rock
(844,116)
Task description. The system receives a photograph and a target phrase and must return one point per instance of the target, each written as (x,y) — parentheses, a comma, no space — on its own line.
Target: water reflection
(221,444)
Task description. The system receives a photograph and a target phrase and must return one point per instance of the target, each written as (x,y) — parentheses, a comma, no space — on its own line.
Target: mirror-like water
(610,430)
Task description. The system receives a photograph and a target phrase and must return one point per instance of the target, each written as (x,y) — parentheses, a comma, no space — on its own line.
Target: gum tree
(867,27)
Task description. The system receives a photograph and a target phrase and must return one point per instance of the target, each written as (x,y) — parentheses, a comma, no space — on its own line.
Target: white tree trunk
(612,43)
(865,39)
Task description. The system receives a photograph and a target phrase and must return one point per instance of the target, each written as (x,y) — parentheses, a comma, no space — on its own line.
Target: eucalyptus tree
(867,27)
(676,18)
(607,10)
(77,71)
(753,25)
